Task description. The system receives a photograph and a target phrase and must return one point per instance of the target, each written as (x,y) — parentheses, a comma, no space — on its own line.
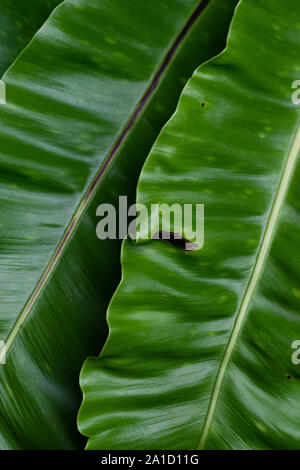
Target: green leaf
(200,345)
(85,102)
(19,21)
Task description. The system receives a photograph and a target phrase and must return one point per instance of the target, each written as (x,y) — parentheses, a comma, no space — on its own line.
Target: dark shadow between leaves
(176,240)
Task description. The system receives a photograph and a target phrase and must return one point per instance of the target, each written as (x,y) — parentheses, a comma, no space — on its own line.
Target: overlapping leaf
(200,345)
(19,21)
(85,102)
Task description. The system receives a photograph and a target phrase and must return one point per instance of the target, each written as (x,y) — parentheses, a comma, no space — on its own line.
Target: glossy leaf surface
(200,347)
(85,101)
(19,21)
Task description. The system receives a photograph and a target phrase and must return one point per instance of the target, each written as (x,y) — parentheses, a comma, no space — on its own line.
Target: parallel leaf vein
(256,273)
(94,185)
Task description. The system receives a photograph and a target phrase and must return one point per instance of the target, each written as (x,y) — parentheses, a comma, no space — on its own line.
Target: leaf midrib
(98,177)
(266,242)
